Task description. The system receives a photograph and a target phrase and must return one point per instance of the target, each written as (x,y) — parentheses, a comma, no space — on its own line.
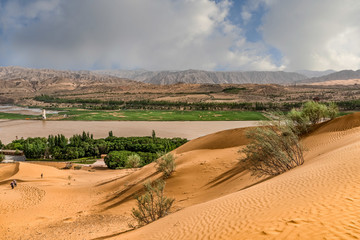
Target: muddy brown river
(12,129)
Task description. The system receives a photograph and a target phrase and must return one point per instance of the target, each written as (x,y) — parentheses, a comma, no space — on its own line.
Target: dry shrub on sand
(153,204)
(274,148)
(166,164)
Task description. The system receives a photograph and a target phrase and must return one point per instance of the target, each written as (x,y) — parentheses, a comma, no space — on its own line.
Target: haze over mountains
(341,75)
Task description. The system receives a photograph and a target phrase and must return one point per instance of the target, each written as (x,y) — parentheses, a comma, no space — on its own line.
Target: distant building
(44,114)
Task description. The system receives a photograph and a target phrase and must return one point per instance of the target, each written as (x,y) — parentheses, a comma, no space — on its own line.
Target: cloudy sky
(181,34)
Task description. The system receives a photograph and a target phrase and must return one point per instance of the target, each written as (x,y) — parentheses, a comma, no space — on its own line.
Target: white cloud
(157,34)
(315,35)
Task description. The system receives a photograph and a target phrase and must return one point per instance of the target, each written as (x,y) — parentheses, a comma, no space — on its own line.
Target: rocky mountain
(20,81)
(311,74)
(341,75)
(199,76)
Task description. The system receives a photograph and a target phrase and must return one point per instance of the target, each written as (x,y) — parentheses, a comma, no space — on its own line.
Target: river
(12,129)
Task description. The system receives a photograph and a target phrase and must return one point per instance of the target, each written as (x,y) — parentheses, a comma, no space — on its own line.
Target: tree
(273,149)
(117,159)
(153,136)
(153,204)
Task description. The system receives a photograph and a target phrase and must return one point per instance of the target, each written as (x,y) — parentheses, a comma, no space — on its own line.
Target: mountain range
(341,75)
(206,77)
(33,80)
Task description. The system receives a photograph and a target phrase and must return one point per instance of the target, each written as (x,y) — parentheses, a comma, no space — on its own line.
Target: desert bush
(314,111)
(153,204)
(311,113)
(165,164)
(133,161)
(273,149)
(77,167)
(332,110)
(302,123)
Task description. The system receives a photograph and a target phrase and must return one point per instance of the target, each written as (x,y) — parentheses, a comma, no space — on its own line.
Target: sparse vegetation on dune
(275,147)
(153,204)
(165,164)
(311,113)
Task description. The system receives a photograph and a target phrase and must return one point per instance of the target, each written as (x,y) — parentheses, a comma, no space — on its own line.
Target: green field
(16,116)
(157,115)
(146,115)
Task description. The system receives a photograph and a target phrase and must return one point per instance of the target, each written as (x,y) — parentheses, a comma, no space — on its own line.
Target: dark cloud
(158,34)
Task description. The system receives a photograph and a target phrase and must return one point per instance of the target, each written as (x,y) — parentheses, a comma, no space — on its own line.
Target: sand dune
(216,198)
(337,82)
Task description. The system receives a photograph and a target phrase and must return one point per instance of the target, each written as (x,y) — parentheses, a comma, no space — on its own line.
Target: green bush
(332,110)
(311,113)
(117,159)
(302,122)
(2,157)
(166,164)
(314,111)
(273,149)
(133,161)
(153,204)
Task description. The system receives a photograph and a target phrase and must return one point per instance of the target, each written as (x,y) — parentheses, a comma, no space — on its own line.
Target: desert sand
(216,198)
(338,82)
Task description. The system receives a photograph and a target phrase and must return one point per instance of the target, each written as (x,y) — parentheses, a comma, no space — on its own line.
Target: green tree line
(59,147)
(97,104)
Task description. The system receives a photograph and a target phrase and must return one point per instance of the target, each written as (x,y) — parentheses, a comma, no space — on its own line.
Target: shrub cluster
(273,149)
(311,113)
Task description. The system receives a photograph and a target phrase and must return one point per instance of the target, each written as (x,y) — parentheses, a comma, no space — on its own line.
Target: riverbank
(71,114)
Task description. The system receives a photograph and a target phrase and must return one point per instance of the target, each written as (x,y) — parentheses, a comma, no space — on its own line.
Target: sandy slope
(319,200)
(216,198)
(337,82)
